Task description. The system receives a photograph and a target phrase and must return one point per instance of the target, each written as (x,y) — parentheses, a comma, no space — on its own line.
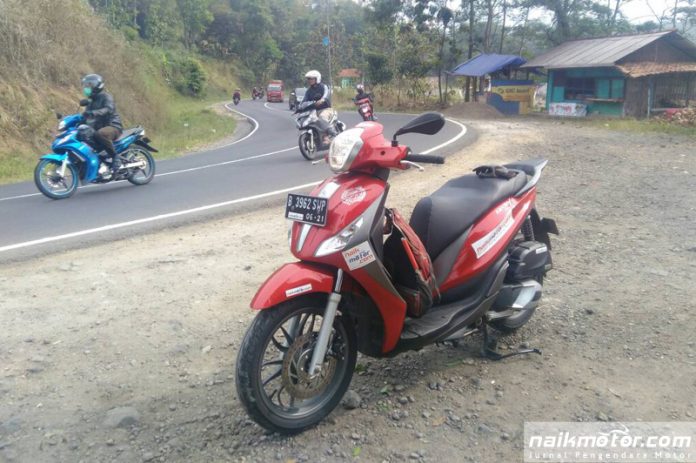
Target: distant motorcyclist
(319,93)
(102,116)
(363,101)
(361,94)
(237,96)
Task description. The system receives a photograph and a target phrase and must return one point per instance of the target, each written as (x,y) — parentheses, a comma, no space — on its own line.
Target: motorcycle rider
(237,95)
(319,93)
(361,94)
(102,116)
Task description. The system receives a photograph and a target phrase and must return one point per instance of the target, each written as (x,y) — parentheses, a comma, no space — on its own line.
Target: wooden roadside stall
(636,75)
(495,77)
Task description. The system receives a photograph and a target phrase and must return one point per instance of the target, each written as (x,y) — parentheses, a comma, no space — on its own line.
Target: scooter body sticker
(298,290)
(353,195)
(486,243)
(359,256)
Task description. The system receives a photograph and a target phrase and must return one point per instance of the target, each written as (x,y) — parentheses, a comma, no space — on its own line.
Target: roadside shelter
(349,77)
(495,74)
(635,75)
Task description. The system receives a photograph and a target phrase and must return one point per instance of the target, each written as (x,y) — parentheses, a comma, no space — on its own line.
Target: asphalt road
(260,167)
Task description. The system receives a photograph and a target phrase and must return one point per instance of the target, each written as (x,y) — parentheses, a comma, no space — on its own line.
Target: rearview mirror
(427,124)
(59,116)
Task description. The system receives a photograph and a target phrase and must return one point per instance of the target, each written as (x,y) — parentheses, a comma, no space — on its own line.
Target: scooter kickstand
(490,343)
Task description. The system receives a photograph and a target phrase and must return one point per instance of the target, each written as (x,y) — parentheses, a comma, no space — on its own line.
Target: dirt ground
(124,352)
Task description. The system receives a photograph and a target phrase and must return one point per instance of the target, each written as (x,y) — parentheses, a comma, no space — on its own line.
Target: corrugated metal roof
(598,52)
(483,64)
(651,69)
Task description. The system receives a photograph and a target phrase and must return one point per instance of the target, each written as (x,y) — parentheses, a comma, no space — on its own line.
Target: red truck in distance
(274,91)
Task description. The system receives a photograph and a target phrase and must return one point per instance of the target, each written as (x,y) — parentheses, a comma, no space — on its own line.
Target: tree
(196,16)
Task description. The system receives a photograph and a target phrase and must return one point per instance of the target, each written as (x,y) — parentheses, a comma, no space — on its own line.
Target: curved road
(264,163)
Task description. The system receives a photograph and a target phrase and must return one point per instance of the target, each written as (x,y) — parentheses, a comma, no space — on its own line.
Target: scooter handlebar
(425,158)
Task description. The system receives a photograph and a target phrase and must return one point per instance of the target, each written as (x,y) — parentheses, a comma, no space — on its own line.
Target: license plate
(306,209)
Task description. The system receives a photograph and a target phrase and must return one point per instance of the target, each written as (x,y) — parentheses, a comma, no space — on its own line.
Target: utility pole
(328,36)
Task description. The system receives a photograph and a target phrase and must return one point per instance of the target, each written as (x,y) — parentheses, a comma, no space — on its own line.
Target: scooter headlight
(339,241)
(344,149)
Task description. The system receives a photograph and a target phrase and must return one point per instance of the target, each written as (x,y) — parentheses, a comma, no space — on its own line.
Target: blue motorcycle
(74,159)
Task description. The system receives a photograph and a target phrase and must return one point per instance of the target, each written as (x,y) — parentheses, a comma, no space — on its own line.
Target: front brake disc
(296,378)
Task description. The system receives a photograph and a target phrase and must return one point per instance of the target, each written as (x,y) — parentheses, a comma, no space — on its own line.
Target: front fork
(312,142)
(63,166)
(327,321)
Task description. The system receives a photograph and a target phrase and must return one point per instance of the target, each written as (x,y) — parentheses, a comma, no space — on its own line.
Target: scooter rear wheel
(272,380)
(144,175)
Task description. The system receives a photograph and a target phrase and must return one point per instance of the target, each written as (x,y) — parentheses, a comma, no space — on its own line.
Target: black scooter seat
(128,133)
(442,217)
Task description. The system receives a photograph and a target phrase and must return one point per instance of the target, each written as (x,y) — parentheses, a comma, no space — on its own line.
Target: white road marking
(265,105)
(228,162)
(200,208)
(451,140)
(256,125)
(115,226)
(207,166)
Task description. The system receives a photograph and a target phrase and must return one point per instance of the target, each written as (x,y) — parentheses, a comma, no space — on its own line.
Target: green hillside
(47,46)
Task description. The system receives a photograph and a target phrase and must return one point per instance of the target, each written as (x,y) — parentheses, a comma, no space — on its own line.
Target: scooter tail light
(339,241)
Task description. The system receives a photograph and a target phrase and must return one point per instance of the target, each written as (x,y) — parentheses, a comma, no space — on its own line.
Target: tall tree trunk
(442,63)
(524,30)
(502,27)
(614,15)
(470,53)
(487,42)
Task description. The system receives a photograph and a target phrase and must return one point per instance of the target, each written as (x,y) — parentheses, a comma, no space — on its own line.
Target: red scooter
(474,254)
(365,108)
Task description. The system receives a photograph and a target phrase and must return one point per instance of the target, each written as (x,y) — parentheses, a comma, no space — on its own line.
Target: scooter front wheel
(309,146)
(51,183)
(273,382)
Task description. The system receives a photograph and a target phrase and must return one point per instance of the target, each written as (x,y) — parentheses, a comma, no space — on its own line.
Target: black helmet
(93,82)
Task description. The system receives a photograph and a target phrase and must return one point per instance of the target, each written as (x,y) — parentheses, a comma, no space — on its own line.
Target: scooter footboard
(292,280)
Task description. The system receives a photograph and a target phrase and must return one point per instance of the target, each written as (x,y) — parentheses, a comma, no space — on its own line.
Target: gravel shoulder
(124,352)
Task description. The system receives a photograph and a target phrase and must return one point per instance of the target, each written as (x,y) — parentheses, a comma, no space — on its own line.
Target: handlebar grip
(425,158)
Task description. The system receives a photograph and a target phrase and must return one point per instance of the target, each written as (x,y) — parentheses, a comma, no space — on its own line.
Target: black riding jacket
(102,108)
(318,92)
(363,95)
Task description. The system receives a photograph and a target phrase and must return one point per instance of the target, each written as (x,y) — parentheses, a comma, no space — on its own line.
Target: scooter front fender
(292,280)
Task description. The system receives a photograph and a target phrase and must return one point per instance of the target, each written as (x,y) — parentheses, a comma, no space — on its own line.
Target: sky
(638,11)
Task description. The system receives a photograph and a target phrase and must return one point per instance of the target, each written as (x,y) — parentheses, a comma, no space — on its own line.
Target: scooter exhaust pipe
(132,165)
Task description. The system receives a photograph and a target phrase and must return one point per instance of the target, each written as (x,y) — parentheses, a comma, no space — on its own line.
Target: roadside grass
(188,124)
(191,124)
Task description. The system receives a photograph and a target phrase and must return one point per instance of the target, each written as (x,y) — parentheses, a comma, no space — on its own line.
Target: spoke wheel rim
(286,388)
(136,155)
(53,182)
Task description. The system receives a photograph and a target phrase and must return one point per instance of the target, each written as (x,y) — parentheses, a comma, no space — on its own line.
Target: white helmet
(313,74)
